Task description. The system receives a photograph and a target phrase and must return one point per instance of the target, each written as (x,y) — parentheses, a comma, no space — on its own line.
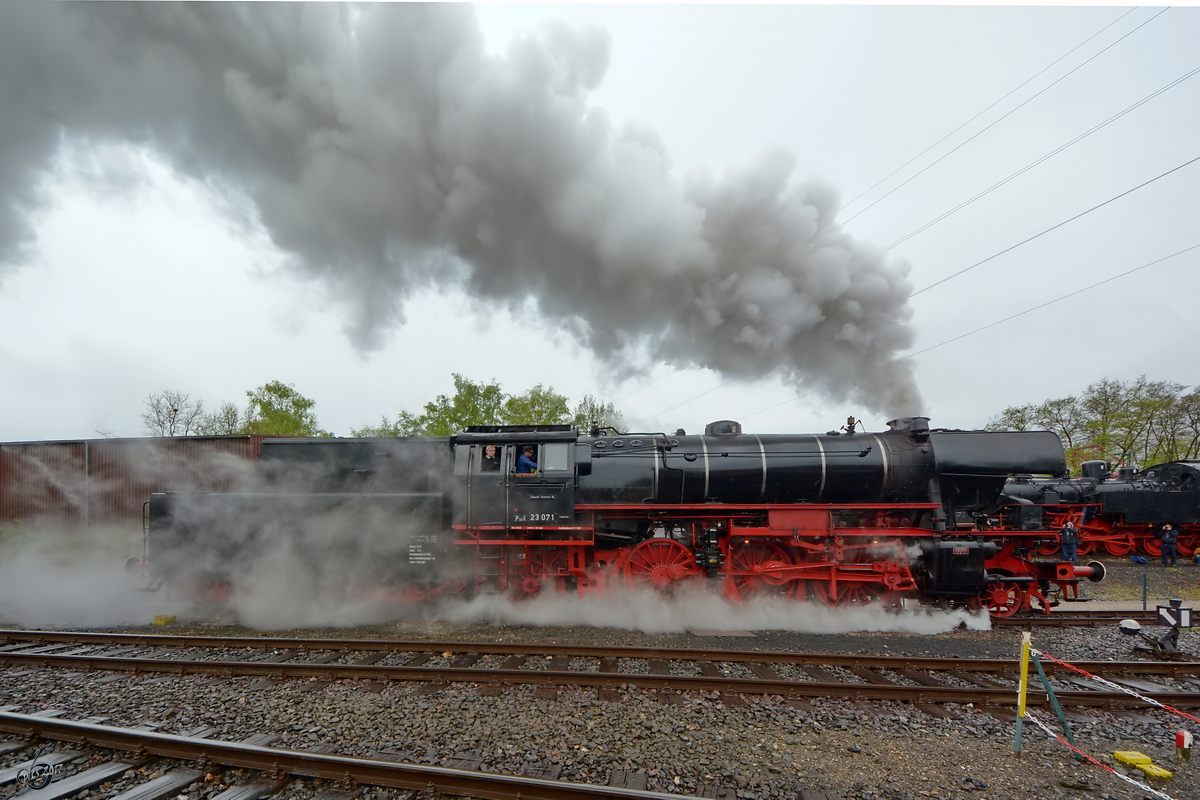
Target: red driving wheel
(849,594)
(660,564)
(1005,599)
(752,561)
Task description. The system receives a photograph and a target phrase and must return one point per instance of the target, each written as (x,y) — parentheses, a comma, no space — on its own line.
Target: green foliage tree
(1137,422)
(1189,424)
(472,404)
(487,404)
(538,406)
(276,408)
(406,424)
(383,429)
(592,414)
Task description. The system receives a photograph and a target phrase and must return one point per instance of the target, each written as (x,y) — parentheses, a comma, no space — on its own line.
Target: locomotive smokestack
(386,150)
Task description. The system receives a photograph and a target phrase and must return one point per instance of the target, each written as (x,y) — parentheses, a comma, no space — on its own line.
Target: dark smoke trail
(386,151)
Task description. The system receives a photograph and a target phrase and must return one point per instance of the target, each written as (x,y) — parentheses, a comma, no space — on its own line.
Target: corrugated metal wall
(105,481)
(43,479)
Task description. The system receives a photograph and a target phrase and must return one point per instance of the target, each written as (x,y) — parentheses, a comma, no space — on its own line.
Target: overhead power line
(989,108)
(1038,307)
(647,385)
(954,150)
(694,397)
(596,384)
(1055,300)
(769,408)
(1044,158)
(1054,227)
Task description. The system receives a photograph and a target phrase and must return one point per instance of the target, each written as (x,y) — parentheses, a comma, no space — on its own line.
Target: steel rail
(299,762)
(753,686)
(1065,619)
(583,651)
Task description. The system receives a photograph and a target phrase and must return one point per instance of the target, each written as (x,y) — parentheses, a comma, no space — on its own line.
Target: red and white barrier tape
(1029,715)
(1112,685)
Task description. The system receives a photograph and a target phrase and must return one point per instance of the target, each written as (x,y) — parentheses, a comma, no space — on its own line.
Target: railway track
(1067,619)
(273,767)
(494,666)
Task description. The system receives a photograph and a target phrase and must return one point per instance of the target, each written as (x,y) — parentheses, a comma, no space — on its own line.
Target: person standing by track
(1068,537)
(1169,537)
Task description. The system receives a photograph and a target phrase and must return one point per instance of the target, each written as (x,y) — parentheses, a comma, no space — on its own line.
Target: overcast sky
(134,274)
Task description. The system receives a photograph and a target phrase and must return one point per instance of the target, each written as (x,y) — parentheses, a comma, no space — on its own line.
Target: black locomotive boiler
(839,518)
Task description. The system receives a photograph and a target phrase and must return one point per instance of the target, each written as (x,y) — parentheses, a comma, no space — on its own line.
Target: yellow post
(1023,688)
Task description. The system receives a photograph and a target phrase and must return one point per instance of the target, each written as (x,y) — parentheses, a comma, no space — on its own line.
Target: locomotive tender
(1119,512)
(843,519)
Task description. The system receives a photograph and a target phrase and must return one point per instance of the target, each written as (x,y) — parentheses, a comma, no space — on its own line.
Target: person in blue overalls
(525,462)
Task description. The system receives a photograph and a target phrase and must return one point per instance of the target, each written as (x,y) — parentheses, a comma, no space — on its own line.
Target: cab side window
(555,457)
(527,459)
(489,459)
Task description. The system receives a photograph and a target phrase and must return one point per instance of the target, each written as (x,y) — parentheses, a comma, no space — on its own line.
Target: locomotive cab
(515,476)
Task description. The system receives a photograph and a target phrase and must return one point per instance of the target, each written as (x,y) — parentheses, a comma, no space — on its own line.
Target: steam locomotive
(1119,512)
(845,518)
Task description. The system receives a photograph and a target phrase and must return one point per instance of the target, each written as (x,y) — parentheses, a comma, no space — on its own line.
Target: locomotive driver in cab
(526,463)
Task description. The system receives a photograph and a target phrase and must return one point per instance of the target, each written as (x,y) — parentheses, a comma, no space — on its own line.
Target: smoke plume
(386,151)
(54,575)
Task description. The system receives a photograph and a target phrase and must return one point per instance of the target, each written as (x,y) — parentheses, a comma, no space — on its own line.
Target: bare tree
(1189,412)
(171,413)
(225,421)
(1016,418)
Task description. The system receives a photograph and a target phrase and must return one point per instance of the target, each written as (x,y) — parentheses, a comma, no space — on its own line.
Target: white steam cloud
(302,577)
(56,576)
(386,151)
(649,612)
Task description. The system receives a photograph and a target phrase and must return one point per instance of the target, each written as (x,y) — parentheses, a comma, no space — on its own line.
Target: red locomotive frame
(803,551)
